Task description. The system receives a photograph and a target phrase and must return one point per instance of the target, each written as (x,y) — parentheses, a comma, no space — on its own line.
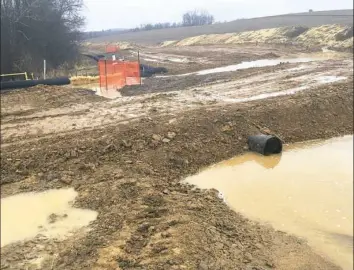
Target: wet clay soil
(125,158)
(130,175)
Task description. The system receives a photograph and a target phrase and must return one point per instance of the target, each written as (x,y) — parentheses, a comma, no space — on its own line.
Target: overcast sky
(106,14)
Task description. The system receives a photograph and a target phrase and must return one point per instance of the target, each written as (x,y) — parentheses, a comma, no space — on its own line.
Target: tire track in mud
(242,86)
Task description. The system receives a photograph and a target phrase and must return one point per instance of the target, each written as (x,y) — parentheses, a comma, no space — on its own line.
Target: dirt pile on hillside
(335,36)
(327,35)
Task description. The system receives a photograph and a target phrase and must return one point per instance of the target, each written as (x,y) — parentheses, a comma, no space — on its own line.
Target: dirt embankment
(147,220)
(333,36)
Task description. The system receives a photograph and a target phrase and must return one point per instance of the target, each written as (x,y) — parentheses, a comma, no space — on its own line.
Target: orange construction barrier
(114,74)
(132,73)
(112,48)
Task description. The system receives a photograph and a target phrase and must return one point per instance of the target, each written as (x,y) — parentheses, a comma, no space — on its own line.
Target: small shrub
(295,31)
(345,34)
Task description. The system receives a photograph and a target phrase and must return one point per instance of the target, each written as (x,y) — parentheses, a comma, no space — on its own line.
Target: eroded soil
(126,157)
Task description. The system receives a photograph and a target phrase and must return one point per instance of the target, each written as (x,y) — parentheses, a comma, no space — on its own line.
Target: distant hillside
(344,17)
(104,33)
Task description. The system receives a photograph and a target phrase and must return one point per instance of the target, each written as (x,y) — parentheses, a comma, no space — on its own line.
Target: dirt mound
(168,43)
(295,31)
(336,36)
(325,35)
(345,34)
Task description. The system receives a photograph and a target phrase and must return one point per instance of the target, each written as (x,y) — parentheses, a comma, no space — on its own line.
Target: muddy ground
(179,60)
(126,157)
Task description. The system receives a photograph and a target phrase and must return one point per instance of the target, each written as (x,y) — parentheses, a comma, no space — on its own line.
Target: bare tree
(193,18)
(35,29)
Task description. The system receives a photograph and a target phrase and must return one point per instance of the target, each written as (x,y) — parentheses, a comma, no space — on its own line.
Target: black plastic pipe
(265,144)
(29,83)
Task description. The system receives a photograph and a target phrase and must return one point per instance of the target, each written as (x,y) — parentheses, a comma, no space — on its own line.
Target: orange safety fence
(112,48)
(114,74)
(132,73)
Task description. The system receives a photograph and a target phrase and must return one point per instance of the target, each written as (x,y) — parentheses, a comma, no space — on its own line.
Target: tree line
(103,33)
(33,30)
(191,18)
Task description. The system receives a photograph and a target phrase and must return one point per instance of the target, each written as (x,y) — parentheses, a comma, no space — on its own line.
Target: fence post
(44,69)
(125,73)
(139,65)
(99,73)
(105,73)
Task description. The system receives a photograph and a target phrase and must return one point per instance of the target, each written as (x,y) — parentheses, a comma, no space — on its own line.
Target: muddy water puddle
(330,79)
(306,191)
(101,91)
(110,93)
(49,214)
(254,64)
(245,65)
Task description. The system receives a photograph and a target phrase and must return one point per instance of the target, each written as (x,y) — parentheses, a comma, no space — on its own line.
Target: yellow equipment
(13,75)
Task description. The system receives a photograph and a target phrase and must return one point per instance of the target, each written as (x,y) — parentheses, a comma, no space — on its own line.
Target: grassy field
(305,19)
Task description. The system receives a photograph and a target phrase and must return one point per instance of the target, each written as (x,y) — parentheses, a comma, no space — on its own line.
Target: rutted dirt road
(50,113)
(186,59)
(126,157)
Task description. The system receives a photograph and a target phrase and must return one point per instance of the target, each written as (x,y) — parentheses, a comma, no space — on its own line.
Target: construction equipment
(16,77)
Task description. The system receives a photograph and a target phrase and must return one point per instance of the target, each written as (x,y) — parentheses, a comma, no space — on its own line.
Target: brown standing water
(306,191)
(50,214)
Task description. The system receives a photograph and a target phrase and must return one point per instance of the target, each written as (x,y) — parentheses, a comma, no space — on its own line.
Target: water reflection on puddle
(24,216)
(97,90)
(330,79)
(307,191)
(245,65)
(108,93)
(254,64)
